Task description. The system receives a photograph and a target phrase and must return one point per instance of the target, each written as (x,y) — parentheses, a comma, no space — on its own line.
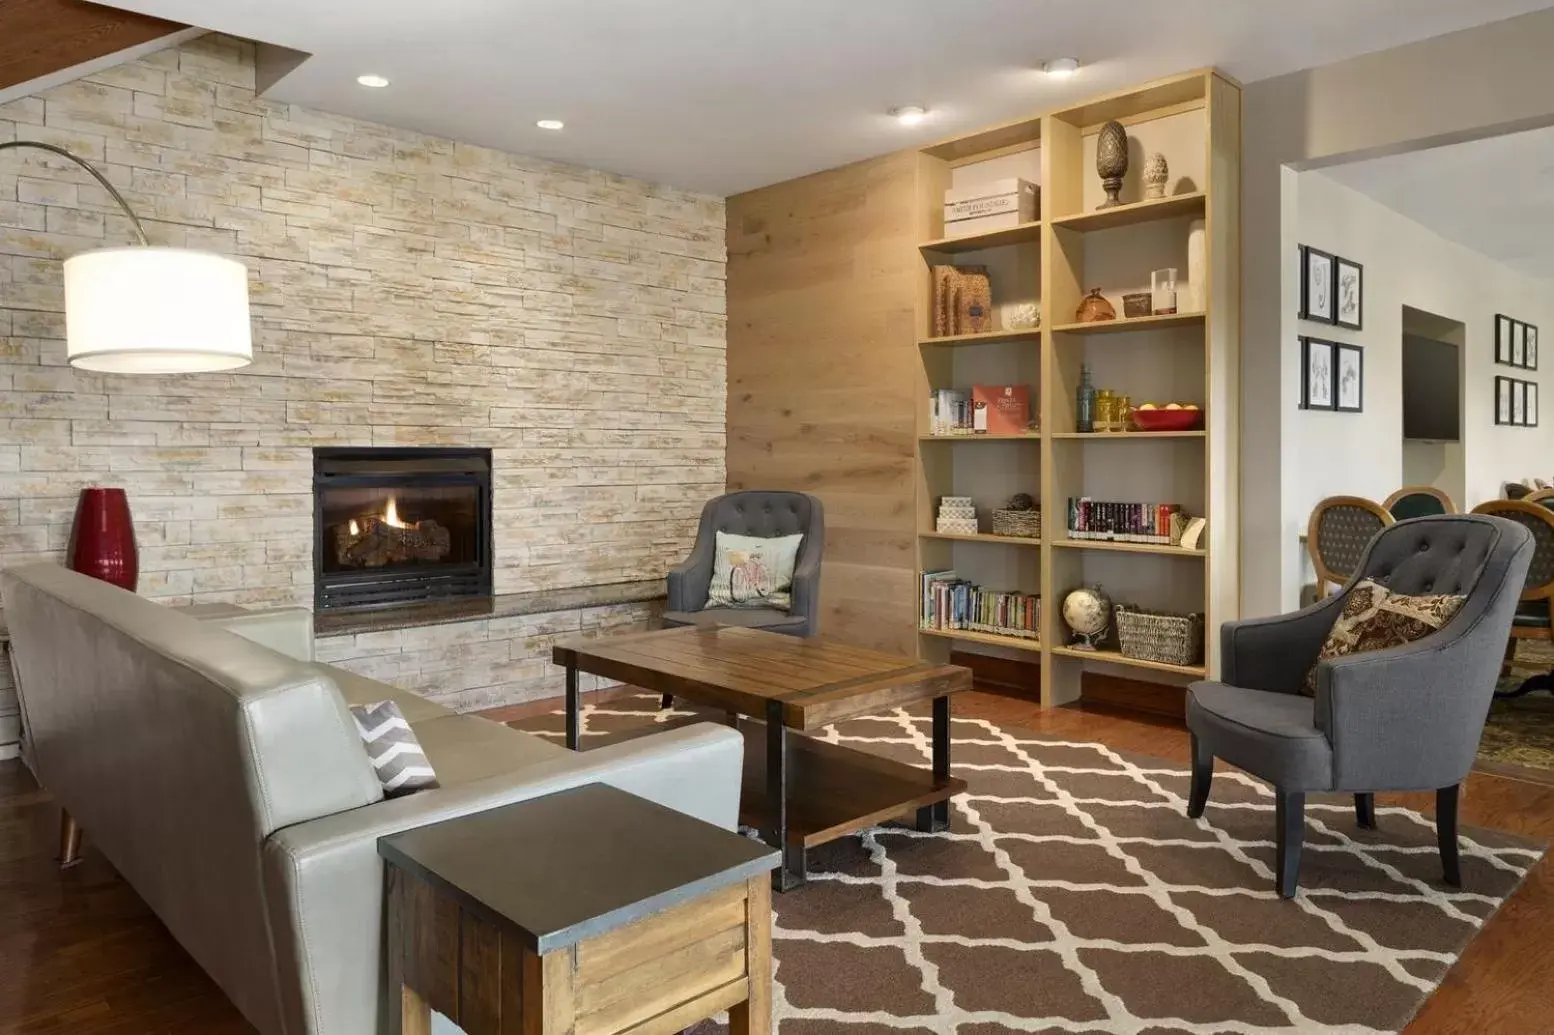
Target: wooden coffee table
(798,791)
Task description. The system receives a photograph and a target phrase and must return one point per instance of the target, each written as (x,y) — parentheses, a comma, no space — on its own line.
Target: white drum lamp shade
(149,310)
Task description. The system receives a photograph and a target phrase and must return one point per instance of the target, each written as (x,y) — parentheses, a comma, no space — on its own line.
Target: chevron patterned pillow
(395,752)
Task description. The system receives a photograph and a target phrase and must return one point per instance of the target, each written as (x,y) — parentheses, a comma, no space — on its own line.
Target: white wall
(1326,453)
(1500,80)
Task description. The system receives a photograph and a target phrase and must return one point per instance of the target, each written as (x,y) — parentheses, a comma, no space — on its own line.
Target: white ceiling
(1495,196)
(726,95)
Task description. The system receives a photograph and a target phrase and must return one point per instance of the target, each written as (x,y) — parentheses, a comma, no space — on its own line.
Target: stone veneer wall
(406,290)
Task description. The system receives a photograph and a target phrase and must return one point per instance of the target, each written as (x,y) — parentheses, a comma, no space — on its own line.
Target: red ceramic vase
(102,541)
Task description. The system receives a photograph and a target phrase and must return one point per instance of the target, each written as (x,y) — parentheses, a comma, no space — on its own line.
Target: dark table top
(575,864)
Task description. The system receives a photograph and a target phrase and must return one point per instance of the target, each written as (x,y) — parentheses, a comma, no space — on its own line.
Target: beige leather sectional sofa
(217,768)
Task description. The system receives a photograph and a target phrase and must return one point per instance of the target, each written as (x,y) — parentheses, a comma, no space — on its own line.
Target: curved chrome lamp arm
(113,192)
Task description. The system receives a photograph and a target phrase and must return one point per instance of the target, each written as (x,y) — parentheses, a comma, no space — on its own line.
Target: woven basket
(1158,636)
(1026,524)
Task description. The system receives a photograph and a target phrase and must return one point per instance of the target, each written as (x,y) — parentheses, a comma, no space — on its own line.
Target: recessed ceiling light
(377,82)
(551,124)
(909,114)
(1061,68)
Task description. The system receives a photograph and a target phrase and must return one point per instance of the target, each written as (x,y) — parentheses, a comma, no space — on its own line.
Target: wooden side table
(590,911)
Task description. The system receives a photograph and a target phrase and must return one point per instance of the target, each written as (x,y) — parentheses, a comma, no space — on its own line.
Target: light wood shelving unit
(1193,119)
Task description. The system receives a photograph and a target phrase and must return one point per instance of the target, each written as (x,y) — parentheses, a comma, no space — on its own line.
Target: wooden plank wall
(38,37)
(822,377)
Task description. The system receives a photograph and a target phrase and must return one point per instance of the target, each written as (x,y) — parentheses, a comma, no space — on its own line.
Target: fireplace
(398,526)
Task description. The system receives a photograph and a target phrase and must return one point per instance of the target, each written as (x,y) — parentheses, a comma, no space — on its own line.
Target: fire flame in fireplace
(391,515)
(373,540)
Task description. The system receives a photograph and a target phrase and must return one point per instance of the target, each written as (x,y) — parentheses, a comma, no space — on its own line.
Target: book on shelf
(951,603)
(1109,521)
(1001,409)
(949,412)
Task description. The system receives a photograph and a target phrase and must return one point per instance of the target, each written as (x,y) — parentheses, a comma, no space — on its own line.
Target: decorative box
(994,205)
(956,525)
(1137,304)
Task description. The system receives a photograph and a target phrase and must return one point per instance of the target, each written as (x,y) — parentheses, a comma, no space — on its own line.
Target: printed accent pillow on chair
(1375,618)
(392,746)
(750,571)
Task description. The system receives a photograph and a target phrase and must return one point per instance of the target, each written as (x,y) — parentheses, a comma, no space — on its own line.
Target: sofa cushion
(1271,734)
(1375,618)
(753,571)
(392,746)
(465,748)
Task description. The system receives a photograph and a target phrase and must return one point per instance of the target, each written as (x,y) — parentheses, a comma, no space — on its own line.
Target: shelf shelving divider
(1059,250)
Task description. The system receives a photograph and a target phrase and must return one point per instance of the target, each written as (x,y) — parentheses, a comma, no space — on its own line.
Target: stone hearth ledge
(486,653)
(328,624)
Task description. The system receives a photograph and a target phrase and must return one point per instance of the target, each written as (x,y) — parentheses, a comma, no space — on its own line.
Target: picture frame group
(1516,342)
(1332,289)
(1516,402)
(1332,376)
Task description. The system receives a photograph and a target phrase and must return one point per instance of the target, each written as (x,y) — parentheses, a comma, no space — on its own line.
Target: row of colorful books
(951,602)
(1120,522)
(987,409)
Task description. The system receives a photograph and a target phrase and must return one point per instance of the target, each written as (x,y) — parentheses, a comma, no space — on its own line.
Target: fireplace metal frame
(397,586)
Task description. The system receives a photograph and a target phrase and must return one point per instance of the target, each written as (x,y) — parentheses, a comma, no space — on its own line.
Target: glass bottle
(1084,408)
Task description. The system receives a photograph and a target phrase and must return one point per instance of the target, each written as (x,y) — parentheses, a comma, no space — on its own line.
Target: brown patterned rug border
(1073,895)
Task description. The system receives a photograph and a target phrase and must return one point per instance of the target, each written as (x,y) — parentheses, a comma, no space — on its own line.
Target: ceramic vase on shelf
(1193,300)
(102,540)
(1156,173)
(1094,308)
(1111,161)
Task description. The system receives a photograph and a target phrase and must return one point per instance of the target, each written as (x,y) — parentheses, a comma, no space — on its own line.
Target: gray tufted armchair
(1406,718)
(764,514)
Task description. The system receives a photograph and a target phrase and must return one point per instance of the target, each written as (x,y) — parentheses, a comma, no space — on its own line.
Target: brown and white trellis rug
(1073,895)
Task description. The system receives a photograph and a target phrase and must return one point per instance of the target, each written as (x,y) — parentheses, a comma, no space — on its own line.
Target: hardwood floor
(80,953)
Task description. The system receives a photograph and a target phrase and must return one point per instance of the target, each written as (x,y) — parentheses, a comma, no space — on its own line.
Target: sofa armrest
(288,630)
(1276,653)
(324,884)
(1410,717)
(690,580)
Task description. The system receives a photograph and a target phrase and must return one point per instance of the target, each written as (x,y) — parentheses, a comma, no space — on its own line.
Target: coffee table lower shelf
(833,790)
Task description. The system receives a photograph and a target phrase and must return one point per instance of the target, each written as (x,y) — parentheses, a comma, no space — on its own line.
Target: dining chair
(1336,537)
(1413,501)
(1535,611)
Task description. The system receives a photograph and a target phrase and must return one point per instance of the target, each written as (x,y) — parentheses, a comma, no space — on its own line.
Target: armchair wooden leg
(1510,656)
(1289,834)
(1446,833)
(1365,811)
(1202,777)
(69,840)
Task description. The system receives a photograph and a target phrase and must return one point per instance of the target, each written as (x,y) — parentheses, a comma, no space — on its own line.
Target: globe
(1088,611)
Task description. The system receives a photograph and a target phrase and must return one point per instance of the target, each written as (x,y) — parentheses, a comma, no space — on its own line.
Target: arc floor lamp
(151,310)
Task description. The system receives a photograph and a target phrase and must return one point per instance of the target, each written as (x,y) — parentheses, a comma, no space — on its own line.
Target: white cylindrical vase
(1196,300)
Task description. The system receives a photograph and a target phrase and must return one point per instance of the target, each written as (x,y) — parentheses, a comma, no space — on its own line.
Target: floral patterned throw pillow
(1375,618)
(749,571)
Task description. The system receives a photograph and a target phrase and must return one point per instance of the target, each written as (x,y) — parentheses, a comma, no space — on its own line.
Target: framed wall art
(1349,378)
(1316,378)
(1316,285)
(1503,325)
(1348,293)
(1502,400)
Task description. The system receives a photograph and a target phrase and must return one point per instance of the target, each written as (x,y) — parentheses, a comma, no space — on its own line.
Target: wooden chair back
(1543,496)
(1413,501)
(1539,520)
(1340,529)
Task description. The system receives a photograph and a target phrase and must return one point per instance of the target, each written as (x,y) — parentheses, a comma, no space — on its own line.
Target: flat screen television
(1432,389)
